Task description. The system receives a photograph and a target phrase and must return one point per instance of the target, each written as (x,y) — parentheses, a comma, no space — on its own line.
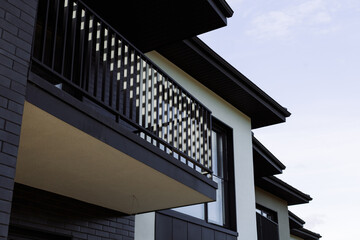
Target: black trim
(282,190)
(206,66)
(265,163)
(295,221)
(98,124)
(305,234)
(297,228)
(229,174)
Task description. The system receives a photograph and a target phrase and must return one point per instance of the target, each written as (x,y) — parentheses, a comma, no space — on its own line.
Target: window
(267,213)
(222,211)
(266,223)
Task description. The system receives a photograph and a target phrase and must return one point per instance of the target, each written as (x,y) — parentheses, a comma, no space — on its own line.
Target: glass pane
(216,209)
(197,210)
(220,155)
(214,152)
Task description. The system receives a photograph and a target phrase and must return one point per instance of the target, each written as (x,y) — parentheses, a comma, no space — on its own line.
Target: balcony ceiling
(151,24)
(59,158)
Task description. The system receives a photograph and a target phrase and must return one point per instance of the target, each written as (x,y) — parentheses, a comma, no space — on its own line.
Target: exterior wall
(241,124)
(292,237)
(278,205)
(145,226)
(17,18)
(51,213)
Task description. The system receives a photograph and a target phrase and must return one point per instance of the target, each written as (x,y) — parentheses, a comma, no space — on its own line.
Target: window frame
(228,175)
(229,181)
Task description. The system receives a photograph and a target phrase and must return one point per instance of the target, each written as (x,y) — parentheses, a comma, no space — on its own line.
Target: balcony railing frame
(111,73)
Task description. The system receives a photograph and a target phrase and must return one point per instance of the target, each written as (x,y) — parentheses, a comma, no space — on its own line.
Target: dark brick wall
(17,19)
(48,212)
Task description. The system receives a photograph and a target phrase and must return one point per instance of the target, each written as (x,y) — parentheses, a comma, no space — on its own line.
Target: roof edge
(267,154)
(282,190)
(305,234)
(289,188)
(225,7)
(298,221)
(238,75)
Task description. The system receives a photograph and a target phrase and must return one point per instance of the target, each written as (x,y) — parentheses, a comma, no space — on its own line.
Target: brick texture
(48,212)
(17,20)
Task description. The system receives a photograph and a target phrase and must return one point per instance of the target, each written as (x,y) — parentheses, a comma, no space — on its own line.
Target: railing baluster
(106,46)
(113,70)
(125,85)
(98,60)
(160,106)
(45,32)
(75,25)
(141,91)
(84,32)
(57,9)
(120,76)
(156,104)
(84,47)
(151,100)
(146,87)
(176,117)
(180,116)
(202,137)
(133,85)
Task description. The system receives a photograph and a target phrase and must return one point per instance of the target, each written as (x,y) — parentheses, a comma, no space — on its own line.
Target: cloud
(315,220)
(283,23)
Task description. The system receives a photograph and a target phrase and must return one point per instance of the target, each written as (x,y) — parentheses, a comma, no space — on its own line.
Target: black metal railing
(87,56)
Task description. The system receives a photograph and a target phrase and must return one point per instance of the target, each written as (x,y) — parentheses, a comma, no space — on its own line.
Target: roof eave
(206,66)
(283,190)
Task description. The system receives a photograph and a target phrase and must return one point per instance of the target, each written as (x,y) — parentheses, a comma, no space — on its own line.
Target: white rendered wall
(292,237)
(145,226)
(278,205)
(241,124)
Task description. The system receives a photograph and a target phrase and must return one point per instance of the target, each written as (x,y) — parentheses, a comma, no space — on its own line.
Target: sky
(305,54)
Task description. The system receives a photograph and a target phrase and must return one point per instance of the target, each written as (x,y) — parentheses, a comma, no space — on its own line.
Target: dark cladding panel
(220,236)
(172,225)
(194,232)
(163,227)
(208,234)
(180,229)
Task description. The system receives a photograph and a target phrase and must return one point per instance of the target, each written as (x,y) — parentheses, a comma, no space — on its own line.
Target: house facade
(117,122)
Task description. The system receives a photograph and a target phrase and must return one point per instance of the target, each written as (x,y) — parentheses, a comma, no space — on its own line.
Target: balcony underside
(72,153)
(151,24)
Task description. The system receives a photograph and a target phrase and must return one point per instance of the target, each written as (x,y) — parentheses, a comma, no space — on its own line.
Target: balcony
(104,124)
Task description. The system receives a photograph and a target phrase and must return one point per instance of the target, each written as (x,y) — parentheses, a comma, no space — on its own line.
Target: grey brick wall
(17,19)
(51,213)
